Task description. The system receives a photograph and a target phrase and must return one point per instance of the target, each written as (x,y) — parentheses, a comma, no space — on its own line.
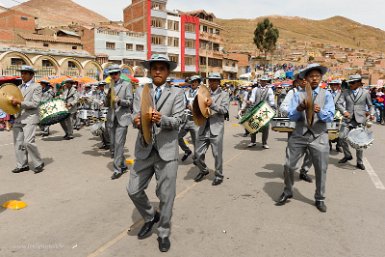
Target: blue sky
(369,12)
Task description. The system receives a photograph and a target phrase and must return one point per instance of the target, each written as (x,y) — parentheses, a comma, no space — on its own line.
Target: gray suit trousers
(105,136)
(140,177)
(319,151)
(118,140)
(67,124)
(216,142)
(25,147)
(344,131)
(193,129)
(265,135)
(307,161)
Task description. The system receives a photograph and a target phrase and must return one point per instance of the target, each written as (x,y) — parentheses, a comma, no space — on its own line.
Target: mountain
(238,34)
(59,12)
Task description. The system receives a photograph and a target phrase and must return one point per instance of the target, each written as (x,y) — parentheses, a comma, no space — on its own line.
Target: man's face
(214,84)
(26,76)
(101,88)
(115,76)
(67,85)
(354,85)
(159,72)
(195,84)
(302,83)
(334,87)
(313,78)
(263,83)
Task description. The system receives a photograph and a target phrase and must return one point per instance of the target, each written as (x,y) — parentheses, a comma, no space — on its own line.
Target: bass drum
(53,111)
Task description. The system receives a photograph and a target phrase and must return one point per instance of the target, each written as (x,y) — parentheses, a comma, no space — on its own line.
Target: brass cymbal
(146,110)
(198,118)
(10,91)
(203,94)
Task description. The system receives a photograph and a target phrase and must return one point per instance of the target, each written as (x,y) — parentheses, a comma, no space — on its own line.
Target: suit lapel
(28,90)
(163,98)
(359,94)
(351,95)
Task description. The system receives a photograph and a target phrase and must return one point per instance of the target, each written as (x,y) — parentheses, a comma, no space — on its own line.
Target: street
(75,209)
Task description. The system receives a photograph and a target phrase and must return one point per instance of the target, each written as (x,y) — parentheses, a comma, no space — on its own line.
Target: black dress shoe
(186,155)
(360,166)
(283,199)
(145,231)
(104,147)
(19,170)
(116,175)
(164,244)
(65,136)
(200,176)
(305,177)
(39,168)
(320,206)
(345,159)
(217,181)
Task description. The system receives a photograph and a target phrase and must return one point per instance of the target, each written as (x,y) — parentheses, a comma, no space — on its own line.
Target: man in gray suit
(71,97)
(161,156)
(25,124)
(119,117)
(99,101)
(335,90)
(353,104)
(309,137)
(211,132)
(47,95)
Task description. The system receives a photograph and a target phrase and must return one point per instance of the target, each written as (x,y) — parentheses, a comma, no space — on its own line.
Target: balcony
(190,68)
(230,69)
(190,51)
(159,14)
(210,37)
(211,53)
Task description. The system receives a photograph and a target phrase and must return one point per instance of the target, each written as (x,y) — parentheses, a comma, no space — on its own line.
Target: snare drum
(103,113)
(282,125)
(334,130)
(53,111)
(83,114)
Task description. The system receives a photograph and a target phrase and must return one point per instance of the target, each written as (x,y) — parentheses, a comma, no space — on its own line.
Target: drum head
(7,92)
(146,110)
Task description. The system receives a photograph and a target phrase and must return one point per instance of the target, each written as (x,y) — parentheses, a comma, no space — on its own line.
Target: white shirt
(270,95)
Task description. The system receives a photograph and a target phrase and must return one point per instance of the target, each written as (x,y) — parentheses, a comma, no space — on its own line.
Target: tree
(266,37)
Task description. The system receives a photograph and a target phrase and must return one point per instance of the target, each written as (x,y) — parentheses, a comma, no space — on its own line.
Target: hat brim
(353,80)
(211,78)
(114,71)
(321,69)
(31,71)
(172,65)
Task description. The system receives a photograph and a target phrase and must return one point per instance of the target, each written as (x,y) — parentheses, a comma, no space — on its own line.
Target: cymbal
(203,94)
(198,118)
(146,110)
(309,105)
(7,92)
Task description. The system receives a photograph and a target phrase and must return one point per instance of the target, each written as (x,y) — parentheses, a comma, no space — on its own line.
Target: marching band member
(335,90)
(309,137)
(189,125)
(119,117)
(246,105)
(211,133)
(71,97)
(259,94)
(99,100)
(353,104)
(161,156)
(47,95)
(25,123)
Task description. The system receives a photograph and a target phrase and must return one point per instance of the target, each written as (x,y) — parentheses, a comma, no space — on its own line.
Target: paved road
(74,209)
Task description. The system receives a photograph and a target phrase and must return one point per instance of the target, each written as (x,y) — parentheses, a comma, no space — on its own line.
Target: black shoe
(200,176)
(360,166)
(116,175)
(39,168)
(45,135)
(283,199)
(345,159)
(320,206)
(217,181)
(65,136)
(338,148)
(104,147)
(186,155)
(19,170)
(145,231)
(305,177)
(164,244)
(112,155)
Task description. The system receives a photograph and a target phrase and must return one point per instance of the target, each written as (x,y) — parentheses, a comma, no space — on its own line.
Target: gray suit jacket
(71,96)
(165,135)
(48,95)
(356,106)
(219,108)
(122,111)
(30,106)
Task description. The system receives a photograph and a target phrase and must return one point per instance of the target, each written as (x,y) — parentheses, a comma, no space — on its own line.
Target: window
(139,47)
(23,18)
(190,43)
(45,44)
(157,6)
(110,45)
(129,47)
(46,63)
(157,23)
(189,27)
(173,41)
(173,25)
(71,65)
(74,47)
(204,28)
(189,60)
(17,62)
(157,40)
(174,58)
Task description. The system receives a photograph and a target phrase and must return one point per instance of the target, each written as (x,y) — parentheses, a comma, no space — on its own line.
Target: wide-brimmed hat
(159,58)
(27,69)
(310,67)
(114,69)
(265,78)
(70,81)
(214,76)
(195,78)
(102,83)
(335,81)
(354,78)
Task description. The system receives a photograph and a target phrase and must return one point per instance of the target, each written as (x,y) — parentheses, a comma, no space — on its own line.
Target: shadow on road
(242,145)
(344,166)
(7,197)
(47,161)
(275,189)
(191,173)
(138,221)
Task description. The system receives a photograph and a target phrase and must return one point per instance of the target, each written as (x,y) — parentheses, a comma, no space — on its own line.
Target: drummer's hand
(156,117)
(301,107)
(209,102)
(189,107)
(347,115)
(117,100)
(137,121)
(317,108)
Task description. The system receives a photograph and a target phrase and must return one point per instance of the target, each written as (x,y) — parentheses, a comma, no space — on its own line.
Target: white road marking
(373,175)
